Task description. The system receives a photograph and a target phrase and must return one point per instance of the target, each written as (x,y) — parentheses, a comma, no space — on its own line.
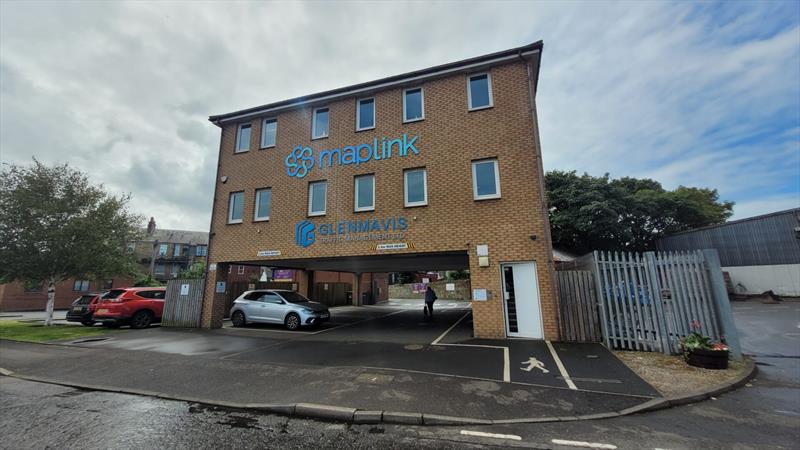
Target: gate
(183,303)
(580,319)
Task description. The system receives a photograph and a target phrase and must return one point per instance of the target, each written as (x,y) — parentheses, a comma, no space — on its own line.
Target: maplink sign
(301,159)
(305,232)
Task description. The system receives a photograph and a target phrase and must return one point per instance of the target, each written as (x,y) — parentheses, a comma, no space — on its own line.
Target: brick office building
(438,169)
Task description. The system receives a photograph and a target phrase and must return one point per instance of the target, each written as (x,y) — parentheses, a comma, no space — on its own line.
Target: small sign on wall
(269,253)
(212,267)
(450,287)
(479,295)
(185,289)
(426,280)
(220,287)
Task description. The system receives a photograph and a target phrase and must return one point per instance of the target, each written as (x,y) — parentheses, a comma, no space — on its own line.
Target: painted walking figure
(430,297)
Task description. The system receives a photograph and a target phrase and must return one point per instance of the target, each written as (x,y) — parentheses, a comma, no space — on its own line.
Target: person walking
(430,297)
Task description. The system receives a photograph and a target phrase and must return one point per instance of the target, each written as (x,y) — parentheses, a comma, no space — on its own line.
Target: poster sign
(426,280)
(479,295)
(220,287)
(450,287)
(283,275)
(418,288)
(212,267)
(185,289)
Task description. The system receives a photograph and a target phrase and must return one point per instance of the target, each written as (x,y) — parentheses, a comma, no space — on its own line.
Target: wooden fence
(647,301)
(580,319)
(183,303)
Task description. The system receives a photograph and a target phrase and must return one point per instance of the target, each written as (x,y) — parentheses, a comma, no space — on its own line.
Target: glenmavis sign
(301,159)
(371,229)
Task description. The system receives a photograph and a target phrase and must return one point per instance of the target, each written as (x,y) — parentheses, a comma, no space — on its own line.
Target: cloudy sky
(698,94)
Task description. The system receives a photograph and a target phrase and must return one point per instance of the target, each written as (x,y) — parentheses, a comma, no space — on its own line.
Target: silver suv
(277,306)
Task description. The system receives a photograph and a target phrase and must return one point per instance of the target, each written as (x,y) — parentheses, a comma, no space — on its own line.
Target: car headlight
(308,311)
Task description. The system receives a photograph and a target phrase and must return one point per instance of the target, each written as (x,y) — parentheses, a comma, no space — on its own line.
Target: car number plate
(102,311)
(325,316)
(77,309)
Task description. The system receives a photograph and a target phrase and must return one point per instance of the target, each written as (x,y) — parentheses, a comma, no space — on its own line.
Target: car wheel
(238,319)
(141,319)
(292,322)
(88,323)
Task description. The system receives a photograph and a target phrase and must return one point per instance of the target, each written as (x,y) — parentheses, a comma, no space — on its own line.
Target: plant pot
(708,359)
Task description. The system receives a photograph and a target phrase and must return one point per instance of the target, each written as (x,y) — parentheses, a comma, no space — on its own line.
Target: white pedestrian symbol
(534,363)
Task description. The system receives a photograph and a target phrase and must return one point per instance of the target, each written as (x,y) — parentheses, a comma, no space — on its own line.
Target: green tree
(56,225)
(197,270)
(599,213)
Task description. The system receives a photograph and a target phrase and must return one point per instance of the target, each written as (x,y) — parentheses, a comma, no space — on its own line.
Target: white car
(277,306)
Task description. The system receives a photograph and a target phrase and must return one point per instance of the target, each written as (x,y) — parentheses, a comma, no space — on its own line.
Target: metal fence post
(722,303)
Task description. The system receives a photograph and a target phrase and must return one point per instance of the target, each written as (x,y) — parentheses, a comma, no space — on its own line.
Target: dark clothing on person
(430,297)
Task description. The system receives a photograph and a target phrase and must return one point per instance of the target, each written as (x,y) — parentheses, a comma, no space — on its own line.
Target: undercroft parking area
(396,336)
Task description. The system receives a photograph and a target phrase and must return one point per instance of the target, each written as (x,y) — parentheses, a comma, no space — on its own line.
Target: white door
(521,300)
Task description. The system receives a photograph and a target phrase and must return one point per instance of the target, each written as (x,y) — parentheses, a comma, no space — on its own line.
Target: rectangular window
(162,249)
(243,138)
(263,204)
(269,131)
(413,105)
(159,269)
(479,91)
(317,192)
(201,250)
(365,193)
(175,269)
(235,207)
(485,179)
(416,187)
(80,285)
(241,270)
(177,250)
(319,126)
(365,114)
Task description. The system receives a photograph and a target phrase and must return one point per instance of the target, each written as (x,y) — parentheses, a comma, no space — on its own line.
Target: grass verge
(37,332)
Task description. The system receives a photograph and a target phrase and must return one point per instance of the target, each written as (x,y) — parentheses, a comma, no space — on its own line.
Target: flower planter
(708,359)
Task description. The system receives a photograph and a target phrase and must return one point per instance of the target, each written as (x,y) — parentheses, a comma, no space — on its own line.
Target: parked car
(280,306)
(137,307)
(82,309)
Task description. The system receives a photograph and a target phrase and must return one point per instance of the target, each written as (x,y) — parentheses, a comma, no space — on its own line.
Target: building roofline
(415,76)
(733,222)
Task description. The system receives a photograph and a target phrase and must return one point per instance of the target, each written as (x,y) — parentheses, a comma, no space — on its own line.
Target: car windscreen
(293,297)
(114,293)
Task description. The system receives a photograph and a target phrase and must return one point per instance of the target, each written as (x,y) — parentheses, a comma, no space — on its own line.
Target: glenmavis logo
(300,160)
(304,233)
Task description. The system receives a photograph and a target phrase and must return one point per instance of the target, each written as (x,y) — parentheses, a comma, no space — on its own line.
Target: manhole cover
(414,347)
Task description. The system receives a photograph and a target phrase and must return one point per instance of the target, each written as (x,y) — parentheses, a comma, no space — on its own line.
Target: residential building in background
(434,170)
(164,253)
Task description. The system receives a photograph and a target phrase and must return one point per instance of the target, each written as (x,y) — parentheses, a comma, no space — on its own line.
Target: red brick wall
(14,298)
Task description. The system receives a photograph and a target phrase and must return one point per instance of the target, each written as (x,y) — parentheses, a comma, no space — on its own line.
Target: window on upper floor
(177,250)
(413,105)
(485,179)
(317,193)
(201,250)
(320,123)
(365,193)
(269,132)
(415,190)
(479,91)
(243,138)
(162,249)
(235,207)
(365,114)
(263,204)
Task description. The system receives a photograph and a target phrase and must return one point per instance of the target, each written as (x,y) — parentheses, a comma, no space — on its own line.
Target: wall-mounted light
(223,179)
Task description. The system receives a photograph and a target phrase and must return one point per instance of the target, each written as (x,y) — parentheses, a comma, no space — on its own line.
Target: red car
(137,307)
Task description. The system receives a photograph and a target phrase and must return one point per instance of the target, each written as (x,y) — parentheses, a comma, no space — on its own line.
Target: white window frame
(475,195)
(231,220)
(240,270)
(422,101)
(263,123)
(311,198)
(358,113)
(166,249)
(469,91)
(356,208)
(314,123)
(256,217)
(239,137)
(176,249)
(424,202)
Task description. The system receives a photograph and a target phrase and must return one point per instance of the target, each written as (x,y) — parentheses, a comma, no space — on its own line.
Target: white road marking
(506,357)
(583,444)
(561,367)
(512,437)
(533,363)
(448,330)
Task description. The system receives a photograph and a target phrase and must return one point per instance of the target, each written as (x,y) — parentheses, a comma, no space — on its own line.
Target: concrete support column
(214,303)
(301,277)
(357,289)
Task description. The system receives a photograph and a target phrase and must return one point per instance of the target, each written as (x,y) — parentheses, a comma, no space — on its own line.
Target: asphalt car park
(396,336)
